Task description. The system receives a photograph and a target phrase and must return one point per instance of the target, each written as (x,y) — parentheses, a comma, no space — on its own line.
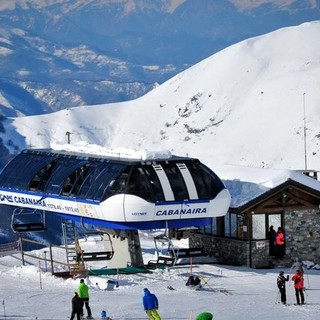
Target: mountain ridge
(64,53)
(219,110)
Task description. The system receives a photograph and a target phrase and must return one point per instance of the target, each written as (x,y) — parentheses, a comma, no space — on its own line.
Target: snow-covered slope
(29,292)
(244,105)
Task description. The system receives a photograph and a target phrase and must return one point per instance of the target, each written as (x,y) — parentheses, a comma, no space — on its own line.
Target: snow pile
(311,265)
(122,153)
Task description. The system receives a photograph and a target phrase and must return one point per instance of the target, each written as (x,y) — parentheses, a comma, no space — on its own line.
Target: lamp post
(68,136)
(304,131)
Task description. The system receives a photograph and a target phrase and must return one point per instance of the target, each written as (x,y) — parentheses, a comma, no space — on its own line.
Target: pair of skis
(293,304)
(224,291)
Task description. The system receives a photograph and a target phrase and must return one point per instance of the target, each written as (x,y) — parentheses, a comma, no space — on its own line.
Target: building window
(230,225)
(274,220)
(258,226)
(212,228)
(226,226)
(261,224)
(233,225)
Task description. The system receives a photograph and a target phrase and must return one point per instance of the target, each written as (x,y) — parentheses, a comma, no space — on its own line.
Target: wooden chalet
(278,198)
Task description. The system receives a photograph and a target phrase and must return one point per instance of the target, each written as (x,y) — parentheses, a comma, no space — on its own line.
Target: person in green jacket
(204,316)
(83,292)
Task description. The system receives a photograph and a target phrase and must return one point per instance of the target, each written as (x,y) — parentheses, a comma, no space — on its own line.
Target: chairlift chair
(97,255)
(28,220)
(168,259)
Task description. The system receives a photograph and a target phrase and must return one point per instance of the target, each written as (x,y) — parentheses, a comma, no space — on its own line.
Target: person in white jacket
(297,265)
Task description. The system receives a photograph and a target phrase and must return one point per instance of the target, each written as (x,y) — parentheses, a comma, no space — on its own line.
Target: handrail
(9,247)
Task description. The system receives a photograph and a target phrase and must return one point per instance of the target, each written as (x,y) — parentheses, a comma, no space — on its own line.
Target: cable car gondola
(115,192)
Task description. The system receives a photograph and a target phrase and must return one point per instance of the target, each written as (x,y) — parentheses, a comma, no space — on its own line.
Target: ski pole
(4,309)
(291,274)
(277,299)
(308,281)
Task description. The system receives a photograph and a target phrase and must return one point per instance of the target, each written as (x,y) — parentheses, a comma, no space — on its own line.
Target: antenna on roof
(304,130)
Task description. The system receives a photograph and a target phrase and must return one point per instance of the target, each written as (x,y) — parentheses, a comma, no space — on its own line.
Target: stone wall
(234,252)
(225,250)
(302,230)
(260,254)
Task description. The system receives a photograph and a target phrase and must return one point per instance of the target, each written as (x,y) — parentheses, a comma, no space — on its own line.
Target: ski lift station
(118,196)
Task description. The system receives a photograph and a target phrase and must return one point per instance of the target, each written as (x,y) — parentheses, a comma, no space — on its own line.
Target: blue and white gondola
(115,193)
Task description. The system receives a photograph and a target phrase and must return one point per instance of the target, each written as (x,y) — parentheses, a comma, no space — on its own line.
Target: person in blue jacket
(150,305)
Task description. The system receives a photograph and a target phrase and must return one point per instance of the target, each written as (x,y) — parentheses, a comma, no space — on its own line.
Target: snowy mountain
(248,105)
(58,54)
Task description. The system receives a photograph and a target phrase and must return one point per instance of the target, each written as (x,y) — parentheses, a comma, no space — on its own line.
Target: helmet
(103,313)
(281,272)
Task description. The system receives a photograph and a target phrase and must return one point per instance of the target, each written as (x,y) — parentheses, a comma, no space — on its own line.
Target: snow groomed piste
(113,192)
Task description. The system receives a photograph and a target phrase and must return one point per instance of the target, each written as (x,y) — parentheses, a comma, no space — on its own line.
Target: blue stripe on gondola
(44,196)
(170,203)
(141,225)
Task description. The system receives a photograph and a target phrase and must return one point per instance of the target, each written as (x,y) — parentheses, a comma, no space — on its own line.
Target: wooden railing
(9,248)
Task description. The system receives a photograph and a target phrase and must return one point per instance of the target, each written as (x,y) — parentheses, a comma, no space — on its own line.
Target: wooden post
(51,259)
(22,255)
(40,275)
(118,276)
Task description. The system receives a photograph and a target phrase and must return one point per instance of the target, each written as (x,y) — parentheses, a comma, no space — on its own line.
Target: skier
(104,315)
(151,305)
(76,307)
(298,265)
(297,278)
(204,316)
(281,283)
(83,292)
(194,282)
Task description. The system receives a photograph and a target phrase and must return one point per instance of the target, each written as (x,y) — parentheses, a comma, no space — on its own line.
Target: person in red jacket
(298,281)
(280,243)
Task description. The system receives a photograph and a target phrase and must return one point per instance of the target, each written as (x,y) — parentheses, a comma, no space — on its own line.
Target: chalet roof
(248,184)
